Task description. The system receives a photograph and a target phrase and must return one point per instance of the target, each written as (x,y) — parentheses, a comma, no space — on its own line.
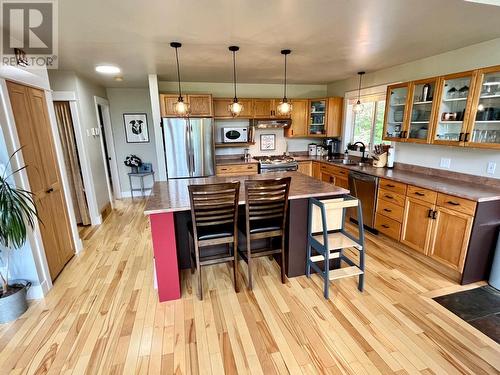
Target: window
(367,125)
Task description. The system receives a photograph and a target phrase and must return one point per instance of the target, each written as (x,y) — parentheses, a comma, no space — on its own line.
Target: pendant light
(284,108)
(358,107)
(235,107)
(180,107)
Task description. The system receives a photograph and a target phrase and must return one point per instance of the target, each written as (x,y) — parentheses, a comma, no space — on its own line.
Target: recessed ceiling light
(118,78)
(107,69)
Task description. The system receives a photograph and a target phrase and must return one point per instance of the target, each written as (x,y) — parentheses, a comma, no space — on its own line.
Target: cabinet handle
(466,139)
(434,214)
(50,190)
(389,196)
(391,186)
(387,210)
(460,137)
(429,214)
(453,203)
(385,226)
(420,194)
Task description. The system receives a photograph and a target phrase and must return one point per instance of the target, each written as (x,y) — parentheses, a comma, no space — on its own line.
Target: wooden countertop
(173,195)
(462,189)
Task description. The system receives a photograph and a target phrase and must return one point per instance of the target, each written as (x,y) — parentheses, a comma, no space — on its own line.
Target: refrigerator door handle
(193,164)
(187,137)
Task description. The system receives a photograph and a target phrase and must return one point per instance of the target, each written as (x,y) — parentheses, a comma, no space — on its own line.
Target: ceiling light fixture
(284,108)
(235,107)
(107,69)
(180,107)
(358,107)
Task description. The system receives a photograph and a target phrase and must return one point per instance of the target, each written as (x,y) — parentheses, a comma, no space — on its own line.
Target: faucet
(363,149)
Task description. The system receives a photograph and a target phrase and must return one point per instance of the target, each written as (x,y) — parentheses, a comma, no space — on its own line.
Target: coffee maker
(333,146)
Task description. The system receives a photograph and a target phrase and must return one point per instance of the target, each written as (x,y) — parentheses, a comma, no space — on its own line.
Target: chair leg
(198,268)
(249,263)
(235,267)
(326,272)
(191,253)
(283,275)
(308,259)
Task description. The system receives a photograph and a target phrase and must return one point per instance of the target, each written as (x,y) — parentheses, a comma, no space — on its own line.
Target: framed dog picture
(136,127)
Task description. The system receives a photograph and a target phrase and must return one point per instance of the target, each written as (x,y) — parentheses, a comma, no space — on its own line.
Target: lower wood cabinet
(305,167)
(417,224)
(450,238)
(316,170)
(236,170)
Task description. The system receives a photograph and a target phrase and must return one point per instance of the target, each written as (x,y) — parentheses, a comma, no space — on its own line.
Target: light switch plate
(490,169)
(445,163)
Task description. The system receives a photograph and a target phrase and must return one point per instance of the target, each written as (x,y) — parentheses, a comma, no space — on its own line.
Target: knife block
(381,162)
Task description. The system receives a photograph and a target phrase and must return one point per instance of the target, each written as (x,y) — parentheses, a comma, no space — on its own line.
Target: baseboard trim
(127,194)
(37,291)
(106,211)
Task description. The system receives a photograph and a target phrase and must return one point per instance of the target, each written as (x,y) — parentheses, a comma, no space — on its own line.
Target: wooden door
(167,102)
(263,108)
(327,177)
(450,238)
(200,105)
(34,131)
(395,116)
(417,224)
(316,170)
(334,116)
(221,108)
(342,182)
(274,109)
(299,119)
(305,167)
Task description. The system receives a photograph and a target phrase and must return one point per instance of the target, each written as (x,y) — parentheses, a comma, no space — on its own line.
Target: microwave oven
(234,135)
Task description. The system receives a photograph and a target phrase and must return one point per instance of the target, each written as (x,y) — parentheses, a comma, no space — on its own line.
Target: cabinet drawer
(396,187)
(422,194)
(389,227)
(236,168)
(389,196)
(391,210)
(457,204)
(340,171)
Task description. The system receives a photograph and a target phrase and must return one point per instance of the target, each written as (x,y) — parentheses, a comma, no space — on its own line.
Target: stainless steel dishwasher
(364,187)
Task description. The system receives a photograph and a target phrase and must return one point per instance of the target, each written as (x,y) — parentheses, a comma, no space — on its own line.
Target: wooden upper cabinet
(421,111)
(299,118)
(200,105)
(334,116)
(417,224)
(395,115)
(221,108)
(454,96)
(450,238)
(484,125)
(263,108)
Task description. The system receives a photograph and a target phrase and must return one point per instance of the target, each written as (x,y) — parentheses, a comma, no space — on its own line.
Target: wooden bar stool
(214,214)
(265,217)
(327,238)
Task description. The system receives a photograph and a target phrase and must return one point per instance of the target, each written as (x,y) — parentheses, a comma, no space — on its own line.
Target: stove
(276,163)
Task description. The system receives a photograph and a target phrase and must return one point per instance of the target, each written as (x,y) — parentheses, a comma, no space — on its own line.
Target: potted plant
(17,213)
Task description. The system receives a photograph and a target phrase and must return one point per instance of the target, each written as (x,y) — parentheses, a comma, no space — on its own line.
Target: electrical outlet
(490,169)
(445,163)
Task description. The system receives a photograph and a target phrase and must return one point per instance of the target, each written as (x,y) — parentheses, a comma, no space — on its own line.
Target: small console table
(140,175)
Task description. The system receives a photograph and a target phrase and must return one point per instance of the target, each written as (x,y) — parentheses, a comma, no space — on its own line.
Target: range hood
(271,123)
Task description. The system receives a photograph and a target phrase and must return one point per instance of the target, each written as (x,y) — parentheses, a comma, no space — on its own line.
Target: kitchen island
(168,208)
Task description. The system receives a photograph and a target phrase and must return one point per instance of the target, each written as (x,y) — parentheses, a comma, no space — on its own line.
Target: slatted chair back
(214,205)
(267,201)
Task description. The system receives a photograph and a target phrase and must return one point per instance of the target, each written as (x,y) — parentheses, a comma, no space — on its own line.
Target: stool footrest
(340,273)
(337,240)
(320,258)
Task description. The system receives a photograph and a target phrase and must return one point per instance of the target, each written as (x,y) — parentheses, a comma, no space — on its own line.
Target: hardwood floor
(102,316)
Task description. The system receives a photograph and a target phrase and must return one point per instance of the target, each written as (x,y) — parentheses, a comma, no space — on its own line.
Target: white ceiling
(330,39)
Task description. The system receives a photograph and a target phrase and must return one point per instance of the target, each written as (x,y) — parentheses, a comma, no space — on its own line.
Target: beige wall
(131,101)
(463,159)
(245,90)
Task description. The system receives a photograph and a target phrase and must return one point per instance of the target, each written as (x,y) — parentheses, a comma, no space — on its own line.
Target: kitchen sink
(343,161)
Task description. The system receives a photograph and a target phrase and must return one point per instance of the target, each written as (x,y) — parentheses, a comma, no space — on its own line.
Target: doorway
(107,148)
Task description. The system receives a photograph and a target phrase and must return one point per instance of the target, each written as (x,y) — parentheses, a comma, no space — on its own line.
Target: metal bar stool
(327,239)
(214,214)
(265,217)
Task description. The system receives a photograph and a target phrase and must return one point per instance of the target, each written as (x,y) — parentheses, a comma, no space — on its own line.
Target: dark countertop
(233,161)
(462,189)
(173,195)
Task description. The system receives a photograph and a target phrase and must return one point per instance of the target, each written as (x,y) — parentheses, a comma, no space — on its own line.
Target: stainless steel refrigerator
(189,147)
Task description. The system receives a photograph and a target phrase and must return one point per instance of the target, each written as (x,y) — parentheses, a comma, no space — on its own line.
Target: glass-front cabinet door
(484,129)
(395,111)
(422,110)
(455,93)
(317,117)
